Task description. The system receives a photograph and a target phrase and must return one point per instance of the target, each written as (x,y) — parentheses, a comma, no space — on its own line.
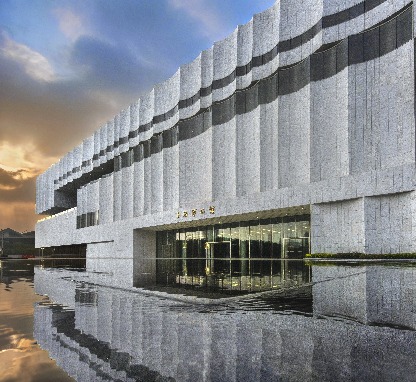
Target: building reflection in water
(352,323)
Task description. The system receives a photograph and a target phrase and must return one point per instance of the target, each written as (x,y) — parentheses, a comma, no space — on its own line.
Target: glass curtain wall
(243,256)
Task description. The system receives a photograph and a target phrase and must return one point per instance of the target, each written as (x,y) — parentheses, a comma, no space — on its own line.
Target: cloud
(106,65)
(209,20)
(40,122)
(24,155)
(34,64)
(72,25)
(10,180)
(17,186)
(17,195)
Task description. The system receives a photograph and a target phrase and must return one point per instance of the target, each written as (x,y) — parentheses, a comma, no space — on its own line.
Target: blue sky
(67,66)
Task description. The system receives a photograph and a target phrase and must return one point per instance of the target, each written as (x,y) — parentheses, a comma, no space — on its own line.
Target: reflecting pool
(349,322)
(21,358)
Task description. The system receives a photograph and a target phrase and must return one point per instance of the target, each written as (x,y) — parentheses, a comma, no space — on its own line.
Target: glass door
(218,257)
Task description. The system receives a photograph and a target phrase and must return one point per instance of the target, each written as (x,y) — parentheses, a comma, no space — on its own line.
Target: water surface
(21,358)
(351,323)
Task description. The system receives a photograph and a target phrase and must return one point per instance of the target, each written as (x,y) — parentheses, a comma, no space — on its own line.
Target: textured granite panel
(344,29)
(46,189)
(269,146)
(49,190)
(414,18)
(379,13)
(244,53)
(293,138)
(65,166)
(88,197)
(338,227)
(329,127)
(166,98)
(266,35)
(147,185)
(334,6)
(248,152)
(127,192)
(58,174)
(190,79)
(146,113)
(110,140)
(138,187)
(157,180)
(134,123)
(103,144)
(87,154)
(78,161)
(195,168)
(117,195)
(207,76)
(381,131)
(295,19)
(124,130)
(116,127)
(95,197)
(84,199)
(80,205)
(224,64)
(96,155)
(224,160)
(170,178)
(64,224)
(390,223)
(190,85)
(106,200)
(39,202)
(167,94)
(71,165)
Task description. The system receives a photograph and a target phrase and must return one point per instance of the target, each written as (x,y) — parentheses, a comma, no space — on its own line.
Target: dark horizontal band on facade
(319,66)
(257,61)
(355,49)
(350,13)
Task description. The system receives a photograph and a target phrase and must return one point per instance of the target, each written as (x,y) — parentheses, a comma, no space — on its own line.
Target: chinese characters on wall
(195,212)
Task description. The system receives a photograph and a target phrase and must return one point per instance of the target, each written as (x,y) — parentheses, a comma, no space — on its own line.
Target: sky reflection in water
(21,358)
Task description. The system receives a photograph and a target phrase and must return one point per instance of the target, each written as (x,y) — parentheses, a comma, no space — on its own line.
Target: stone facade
(307,108)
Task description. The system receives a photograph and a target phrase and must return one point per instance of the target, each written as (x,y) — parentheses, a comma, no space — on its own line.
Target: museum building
(294,135)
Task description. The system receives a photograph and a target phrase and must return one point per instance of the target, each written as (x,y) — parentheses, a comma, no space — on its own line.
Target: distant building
(296,133)
(16,244)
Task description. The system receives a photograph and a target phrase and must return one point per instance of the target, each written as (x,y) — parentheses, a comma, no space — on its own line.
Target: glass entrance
(218,257)
(240,256)
(294,248)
